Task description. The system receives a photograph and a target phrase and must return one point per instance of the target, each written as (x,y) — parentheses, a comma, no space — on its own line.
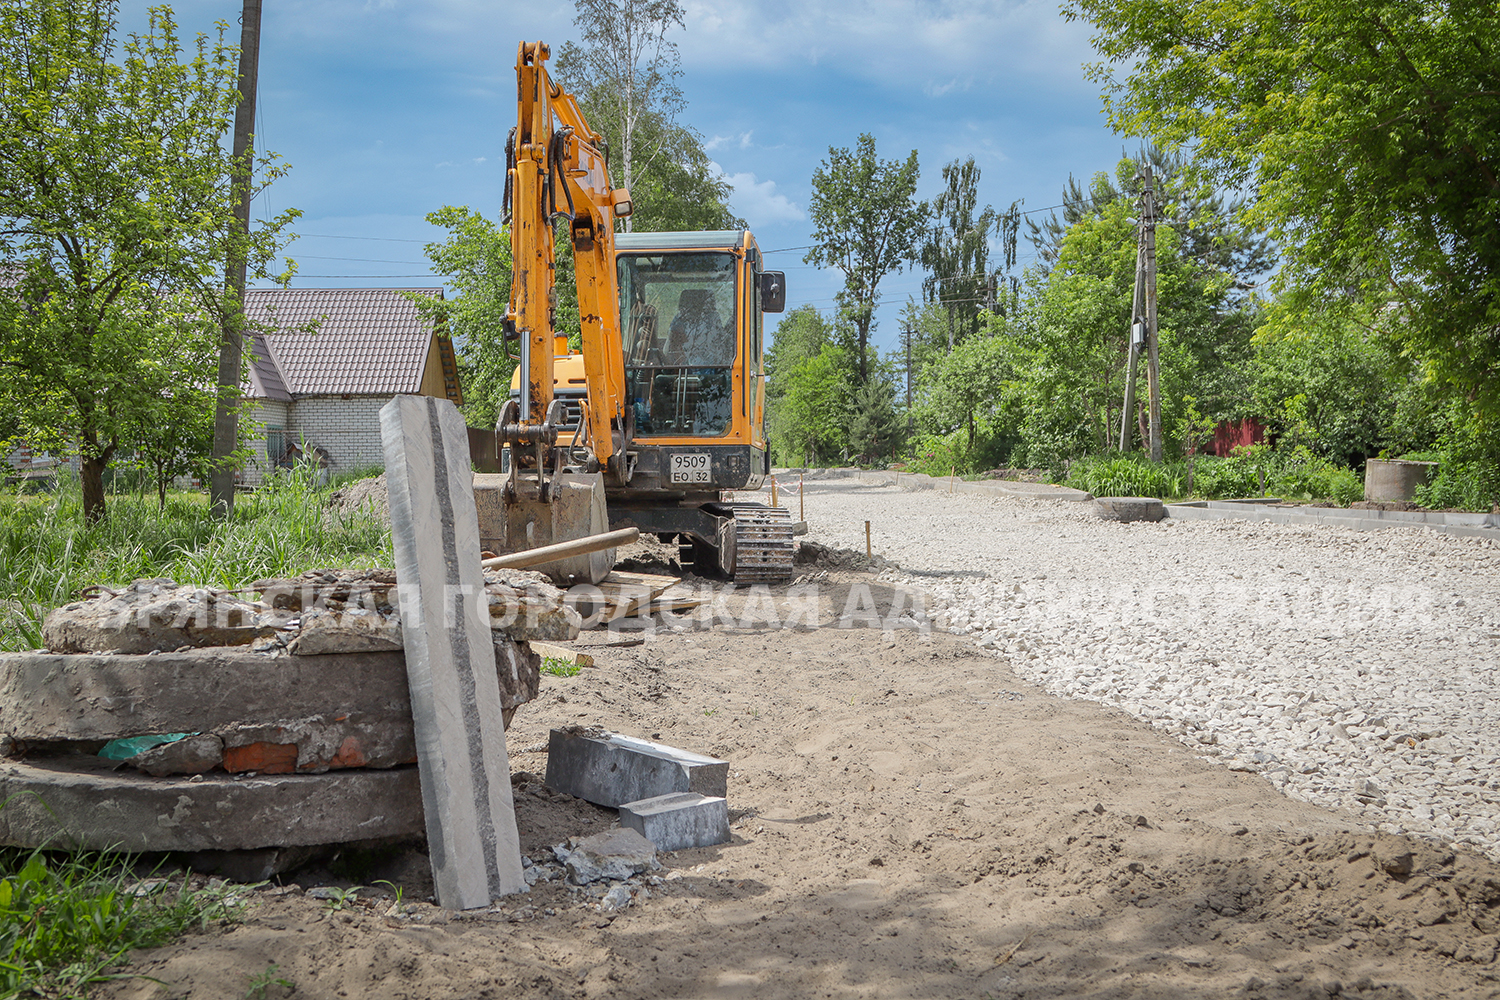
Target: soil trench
(910,820)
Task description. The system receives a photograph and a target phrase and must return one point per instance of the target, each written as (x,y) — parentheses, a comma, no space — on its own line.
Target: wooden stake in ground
(774,501)
(450,654)
(801,497)
(867,542)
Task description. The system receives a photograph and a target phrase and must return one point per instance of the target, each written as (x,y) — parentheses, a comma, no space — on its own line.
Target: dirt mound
(362,496)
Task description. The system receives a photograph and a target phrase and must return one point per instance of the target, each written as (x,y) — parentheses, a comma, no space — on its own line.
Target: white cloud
(480,159)
(720,141)
(758,201)
(867,38)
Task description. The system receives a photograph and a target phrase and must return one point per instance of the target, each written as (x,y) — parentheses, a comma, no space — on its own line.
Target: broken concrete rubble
(157,615)
(614,854)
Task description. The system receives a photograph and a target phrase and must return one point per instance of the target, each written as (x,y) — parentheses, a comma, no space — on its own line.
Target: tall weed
(47,553)
(66,920)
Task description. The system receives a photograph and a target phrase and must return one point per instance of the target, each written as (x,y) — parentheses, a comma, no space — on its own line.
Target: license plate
(693,467)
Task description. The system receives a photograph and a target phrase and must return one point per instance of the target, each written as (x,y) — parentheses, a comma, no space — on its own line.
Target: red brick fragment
(267,758)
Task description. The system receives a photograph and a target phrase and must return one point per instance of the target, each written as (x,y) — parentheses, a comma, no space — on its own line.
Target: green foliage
(965,387)
(624,76)
(47,554)
(556,667)
(873,427)
(261,983)
(1369,131)
(808,414)
(67,920)
(1468,476)
(475,258)
(115,196)
(866,223)
(1207,220)
(1330,379)
(1295,474)
(940,455)
(956,252)
(1125,476)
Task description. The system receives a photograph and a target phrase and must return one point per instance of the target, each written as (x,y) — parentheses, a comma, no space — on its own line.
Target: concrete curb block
(921,481)
(1464,525)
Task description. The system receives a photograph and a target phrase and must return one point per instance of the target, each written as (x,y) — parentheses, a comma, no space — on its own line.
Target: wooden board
(550,652)
(450,656)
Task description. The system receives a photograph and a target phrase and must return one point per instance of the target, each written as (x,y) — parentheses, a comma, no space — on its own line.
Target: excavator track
(763,543)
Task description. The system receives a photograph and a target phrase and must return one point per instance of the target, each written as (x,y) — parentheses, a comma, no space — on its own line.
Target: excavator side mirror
(772,291)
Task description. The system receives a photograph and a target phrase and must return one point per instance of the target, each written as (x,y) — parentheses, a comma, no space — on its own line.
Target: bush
(1291,474)
(1126,476)
(939,456)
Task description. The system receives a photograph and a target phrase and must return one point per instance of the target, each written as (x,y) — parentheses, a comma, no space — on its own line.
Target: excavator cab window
(679,324)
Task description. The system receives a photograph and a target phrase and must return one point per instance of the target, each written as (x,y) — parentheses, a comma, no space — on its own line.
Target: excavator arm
(555,168)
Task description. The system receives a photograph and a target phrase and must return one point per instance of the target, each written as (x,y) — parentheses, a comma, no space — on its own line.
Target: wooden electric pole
(1153,361)
(1137,335)
(232,320)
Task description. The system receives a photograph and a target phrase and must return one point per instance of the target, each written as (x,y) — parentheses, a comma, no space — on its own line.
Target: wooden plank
(651,581)
(548,651)
(450,657)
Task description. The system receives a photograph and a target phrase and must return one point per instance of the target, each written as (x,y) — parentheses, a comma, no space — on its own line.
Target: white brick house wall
(263,416)
(349,429)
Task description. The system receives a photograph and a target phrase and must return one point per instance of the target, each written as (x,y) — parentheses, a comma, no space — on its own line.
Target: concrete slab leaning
(450,660)
(679,821)
(608,769)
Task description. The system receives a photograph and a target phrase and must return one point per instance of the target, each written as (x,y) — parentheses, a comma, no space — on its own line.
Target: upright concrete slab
(608,769)
(450,659)
(679,821)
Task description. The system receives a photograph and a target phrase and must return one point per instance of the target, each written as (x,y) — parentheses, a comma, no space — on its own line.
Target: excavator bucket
(576,510)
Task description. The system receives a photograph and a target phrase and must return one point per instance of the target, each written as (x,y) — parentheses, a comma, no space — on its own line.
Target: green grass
(68,920)
(558,667)
(47,553)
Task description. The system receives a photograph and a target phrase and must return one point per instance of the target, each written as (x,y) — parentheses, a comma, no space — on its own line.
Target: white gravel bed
(1357,670)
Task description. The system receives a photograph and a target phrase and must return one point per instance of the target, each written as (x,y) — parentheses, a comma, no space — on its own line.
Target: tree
(172,433)
(810,411)
(624,76)
(966,383)
(1069,348)
(873,428)
(475,257)
(1369,132)
(114,189)
(867,223)
(1208,221)
(957,249)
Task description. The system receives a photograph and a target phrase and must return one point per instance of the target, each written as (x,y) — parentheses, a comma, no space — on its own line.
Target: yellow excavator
(663,408)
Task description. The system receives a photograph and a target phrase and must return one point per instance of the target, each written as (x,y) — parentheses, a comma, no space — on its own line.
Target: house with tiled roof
(323,361)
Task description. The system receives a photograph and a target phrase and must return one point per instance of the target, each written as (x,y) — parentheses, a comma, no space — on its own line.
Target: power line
(382,239)
(359,260)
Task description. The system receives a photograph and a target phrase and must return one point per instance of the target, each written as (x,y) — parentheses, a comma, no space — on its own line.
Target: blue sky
(388,109)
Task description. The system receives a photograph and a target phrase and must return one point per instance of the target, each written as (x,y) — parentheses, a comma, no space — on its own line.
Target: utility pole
(906,339)
(232,320)
(1153,361)
(1137,338)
